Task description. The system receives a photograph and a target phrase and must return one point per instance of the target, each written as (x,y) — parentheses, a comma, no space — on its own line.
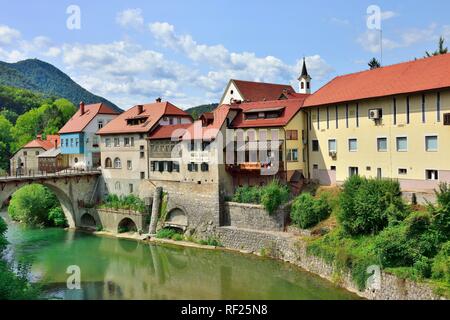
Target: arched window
(108,163)
(117,163)
(302,85)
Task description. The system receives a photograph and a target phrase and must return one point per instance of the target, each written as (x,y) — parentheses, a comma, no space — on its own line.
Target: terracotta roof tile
(153,111)
(167,132)
(259,91)
(78,122)
(47,144)
(197,131)
(408,77)
(288,108)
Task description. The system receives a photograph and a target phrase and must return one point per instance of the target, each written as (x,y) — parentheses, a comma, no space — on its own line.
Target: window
(192,167)
(176,167)
(100,124)
(25,153)
(117,163)
(204,167)
(129,165)
(315,166)
(407,110)
(71,142)
(131,187)
(431,143)
(315,145)
(153,166)
(232,92)
(292,155)
(438,107)
(432,175)
(108,163)
(75,160)
(142,175)
(332,145)
(37,153)
(402,171)
(333,168)
(132,141)
(353,171)
(382,144)
(76,142)
(141,153)
(171,121)
(402,144)
(108,142)
(127,142)
(116,142)
(447,119)
(291,135)
(352,145)
(117,186)
(395,111)
(423,109)
(308,85)
(302,85)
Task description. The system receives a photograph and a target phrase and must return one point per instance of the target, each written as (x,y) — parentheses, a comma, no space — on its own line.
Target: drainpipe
(307,144)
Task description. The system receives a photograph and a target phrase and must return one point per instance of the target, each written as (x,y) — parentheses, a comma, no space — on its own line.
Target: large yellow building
(391,122)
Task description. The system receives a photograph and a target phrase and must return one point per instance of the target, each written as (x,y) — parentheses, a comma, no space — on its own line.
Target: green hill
(198,110)
(44,78)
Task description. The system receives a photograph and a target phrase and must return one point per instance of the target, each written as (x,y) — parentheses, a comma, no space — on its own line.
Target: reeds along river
(122,269)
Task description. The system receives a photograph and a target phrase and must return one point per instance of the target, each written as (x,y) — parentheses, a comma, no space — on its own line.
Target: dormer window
(136,121)
(100,124)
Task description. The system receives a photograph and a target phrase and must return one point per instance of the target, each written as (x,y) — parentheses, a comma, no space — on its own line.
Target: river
(123,269)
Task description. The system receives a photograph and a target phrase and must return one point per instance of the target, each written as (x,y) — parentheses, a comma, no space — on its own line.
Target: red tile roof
(153,111)
(259,91)
(78,122)
(197,131)
(168,132)
(288,108)
(408,77)
(47,144)
(294,95)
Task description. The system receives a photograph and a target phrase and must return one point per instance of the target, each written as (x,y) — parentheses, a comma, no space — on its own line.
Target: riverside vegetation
(372,225)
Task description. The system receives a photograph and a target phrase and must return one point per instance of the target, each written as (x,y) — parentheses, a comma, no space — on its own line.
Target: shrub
(3,228)
(306,211)
(210,241)
(441,265)
(441,213)
(247,194)
(394,249)
(368,206)
(32,204)
(57,218)
(166,233)
(177,237)
(273,195)
(129,202)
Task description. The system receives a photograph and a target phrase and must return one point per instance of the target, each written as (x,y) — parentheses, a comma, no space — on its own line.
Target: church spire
(305,80)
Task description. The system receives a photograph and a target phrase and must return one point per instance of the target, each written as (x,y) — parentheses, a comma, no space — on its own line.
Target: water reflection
(120,269)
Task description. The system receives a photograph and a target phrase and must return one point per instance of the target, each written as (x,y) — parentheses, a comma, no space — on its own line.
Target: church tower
(305,80)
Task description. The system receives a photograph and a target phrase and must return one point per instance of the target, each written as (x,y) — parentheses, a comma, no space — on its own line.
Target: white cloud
(386,15)
(339,21)
(130,18)
(8,35)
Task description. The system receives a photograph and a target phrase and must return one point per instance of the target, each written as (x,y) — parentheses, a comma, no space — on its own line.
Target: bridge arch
(127,225)
(87,220)
(177,218)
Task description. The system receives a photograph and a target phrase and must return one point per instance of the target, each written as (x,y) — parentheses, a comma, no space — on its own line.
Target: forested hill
(196,112)
(44,78)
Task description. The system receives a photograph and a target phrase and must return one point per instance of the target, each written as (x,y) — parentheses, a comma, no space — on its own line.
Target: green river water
(125,269)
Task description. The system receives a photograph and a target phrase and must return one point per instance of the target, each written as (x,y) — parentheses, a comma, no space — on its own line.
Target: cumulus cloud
(130,18)
(8,34)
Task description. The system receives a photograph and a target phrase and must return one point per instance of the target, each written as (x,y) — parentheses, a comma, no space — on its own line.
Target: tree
(34,205)
(374,64)
(441,49)
(5,141)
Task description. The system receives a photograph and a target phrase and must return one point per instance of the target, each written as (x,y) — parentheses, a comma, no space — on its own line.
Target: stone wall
(109,219)
(292,249)
(253,216)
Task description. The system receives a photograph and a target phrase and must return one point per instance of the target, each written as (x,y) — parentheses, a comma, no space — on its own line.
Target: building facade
(79,141)
(125,148)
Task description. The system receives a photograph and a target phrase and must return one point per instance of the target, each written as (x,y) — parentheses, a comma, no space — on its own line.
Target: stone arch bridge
(74,190)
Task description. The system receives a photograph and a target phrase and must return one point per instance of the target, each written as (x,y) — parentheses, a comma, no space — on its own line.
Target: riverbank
(292,248)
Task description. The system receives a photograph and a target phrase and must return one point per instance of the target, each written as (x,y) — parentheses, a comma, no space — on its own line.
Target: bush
(441,213)
(166,233)
(3,228)
(271,196)
(306,211)
(129,202)
(441,265)
(57,218)
(32,205)
(368,206)
(177,237)
(211,241)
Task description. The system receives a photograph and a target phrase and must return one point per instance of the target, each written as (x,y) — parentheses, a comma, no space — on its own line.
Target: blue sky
(186,51)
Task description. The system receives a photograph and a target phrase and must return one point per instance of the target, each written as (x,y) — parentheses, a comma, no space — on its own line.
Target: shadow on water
(121,269)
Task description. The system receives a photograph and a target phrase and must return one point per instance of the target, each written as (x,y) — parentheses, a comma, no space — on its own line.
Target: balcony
(253,167)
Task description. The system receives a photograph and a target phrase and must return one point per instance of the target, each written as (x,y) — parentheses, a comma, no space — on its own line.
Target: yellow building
(391,122)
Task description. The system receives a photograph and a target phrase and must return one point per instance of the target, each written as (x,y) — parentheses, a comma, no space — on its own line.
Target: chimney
(158,100)
(82,111)
(140,108)
(55,143)
(39,136)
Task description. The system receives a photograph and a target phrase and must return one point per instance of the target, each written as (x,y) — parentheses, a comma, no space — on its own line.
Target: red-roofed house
(25,160)
(79,141)
(390,122)
(125,145)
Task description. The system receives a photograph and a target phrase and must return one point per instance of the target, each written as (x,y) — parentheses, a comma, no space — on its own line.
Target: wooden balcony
(250,167)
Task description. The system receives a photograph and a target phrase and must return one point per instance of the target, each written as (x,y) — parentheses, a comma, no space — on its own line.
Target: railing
(44,174)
